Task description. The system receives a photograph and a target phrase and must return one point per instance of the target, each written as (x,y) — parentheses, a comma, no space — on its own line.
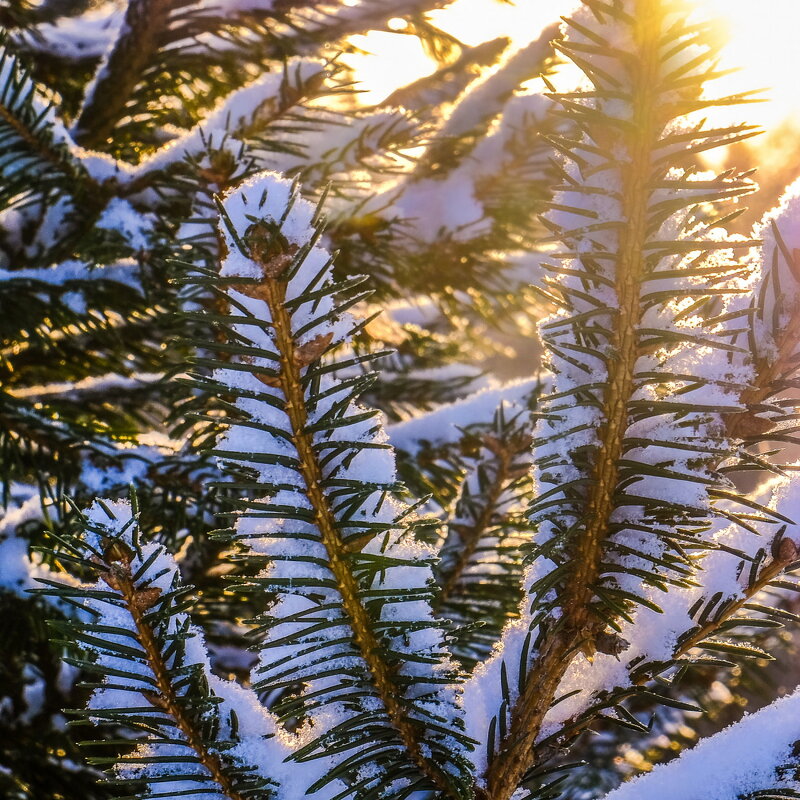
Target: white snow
(134,227)
(83,36)
(779,266)
(250,106)
(308,635)
(444,424)
(123,271)
(86,386)
(259,743)
(731,764)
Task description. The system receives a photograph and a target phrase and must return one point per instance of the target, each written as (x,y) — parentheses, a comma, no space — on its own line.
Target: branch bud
(269,248)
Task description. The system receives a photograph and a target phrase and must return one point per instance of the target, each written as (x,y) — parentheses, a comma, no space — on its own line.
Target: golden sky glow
(763,41)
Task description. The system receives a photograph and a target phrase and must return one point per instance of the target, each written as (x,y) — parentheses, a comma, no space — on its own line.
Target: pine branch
(291,359)
(616,233)
(470,535)
(246,114)
(147,650)
(431,444)
(715,616)
(117,574)
(449,81)
(70,394)
(483,101)
(36,150)
(328,526)
(481,566)
(336,144)
(719,613)
(496,175)
(513,760)
(787,555)
(774,342)
(121,71)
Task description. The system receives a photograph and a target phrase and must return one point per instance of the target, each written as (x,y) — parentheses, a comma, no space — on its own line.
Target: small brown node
(116,551)
(115,577)
(154,698)
(309,352)
(611,644)
(220,169)
(746,425)
(146,598)
(269,248)
(269,380)
(787,550)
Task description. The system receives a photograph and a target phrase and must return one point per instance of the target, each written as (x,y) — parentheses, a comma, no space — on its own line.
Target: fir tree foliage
(354,563)
(203,736)
(631,439)
(323,493)
(481,561)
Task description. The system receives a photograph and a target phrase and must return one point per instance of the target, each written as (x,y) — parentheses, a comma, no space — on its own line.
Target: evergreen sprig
(480,571)
(151,669)
(628,449)
(37,164)
(551,571)
(321,510)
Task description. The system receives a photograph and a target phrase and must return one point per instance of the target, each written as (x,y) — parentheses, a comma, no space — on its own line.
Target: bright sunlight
(761,46)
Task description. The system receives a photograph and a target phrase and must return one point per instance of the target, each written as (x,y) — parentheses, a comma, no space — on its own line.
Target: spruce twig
(106,98)
(292,358)
(117,574)
(578,623)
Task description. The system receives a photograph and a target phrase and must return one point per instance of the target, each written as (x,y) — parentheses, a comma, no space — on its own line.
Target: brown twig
(769,373)
(577,623)
(292,359)
(137,602)
(768,574)
(470,535)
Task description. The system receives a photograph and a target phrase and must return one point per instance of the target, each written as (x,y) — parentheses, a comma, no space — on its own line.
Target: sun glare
(762,43)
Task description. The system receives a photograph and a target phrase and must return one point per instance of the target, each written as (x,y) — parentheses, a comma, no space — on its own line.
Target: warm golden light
(390,61)
(762,43)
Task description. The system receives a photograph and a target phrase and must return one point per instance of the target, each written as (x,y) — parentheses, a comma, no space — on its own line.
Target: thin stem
(769,372)
(273,292)
(577,624)
(766,576)
(168,700)
(30,139)
(470,535)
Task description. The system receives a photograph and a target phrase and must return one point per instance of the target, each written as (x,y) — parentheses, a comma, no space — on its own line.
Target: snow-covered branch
(756,757)
(324,523)
(203,735)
